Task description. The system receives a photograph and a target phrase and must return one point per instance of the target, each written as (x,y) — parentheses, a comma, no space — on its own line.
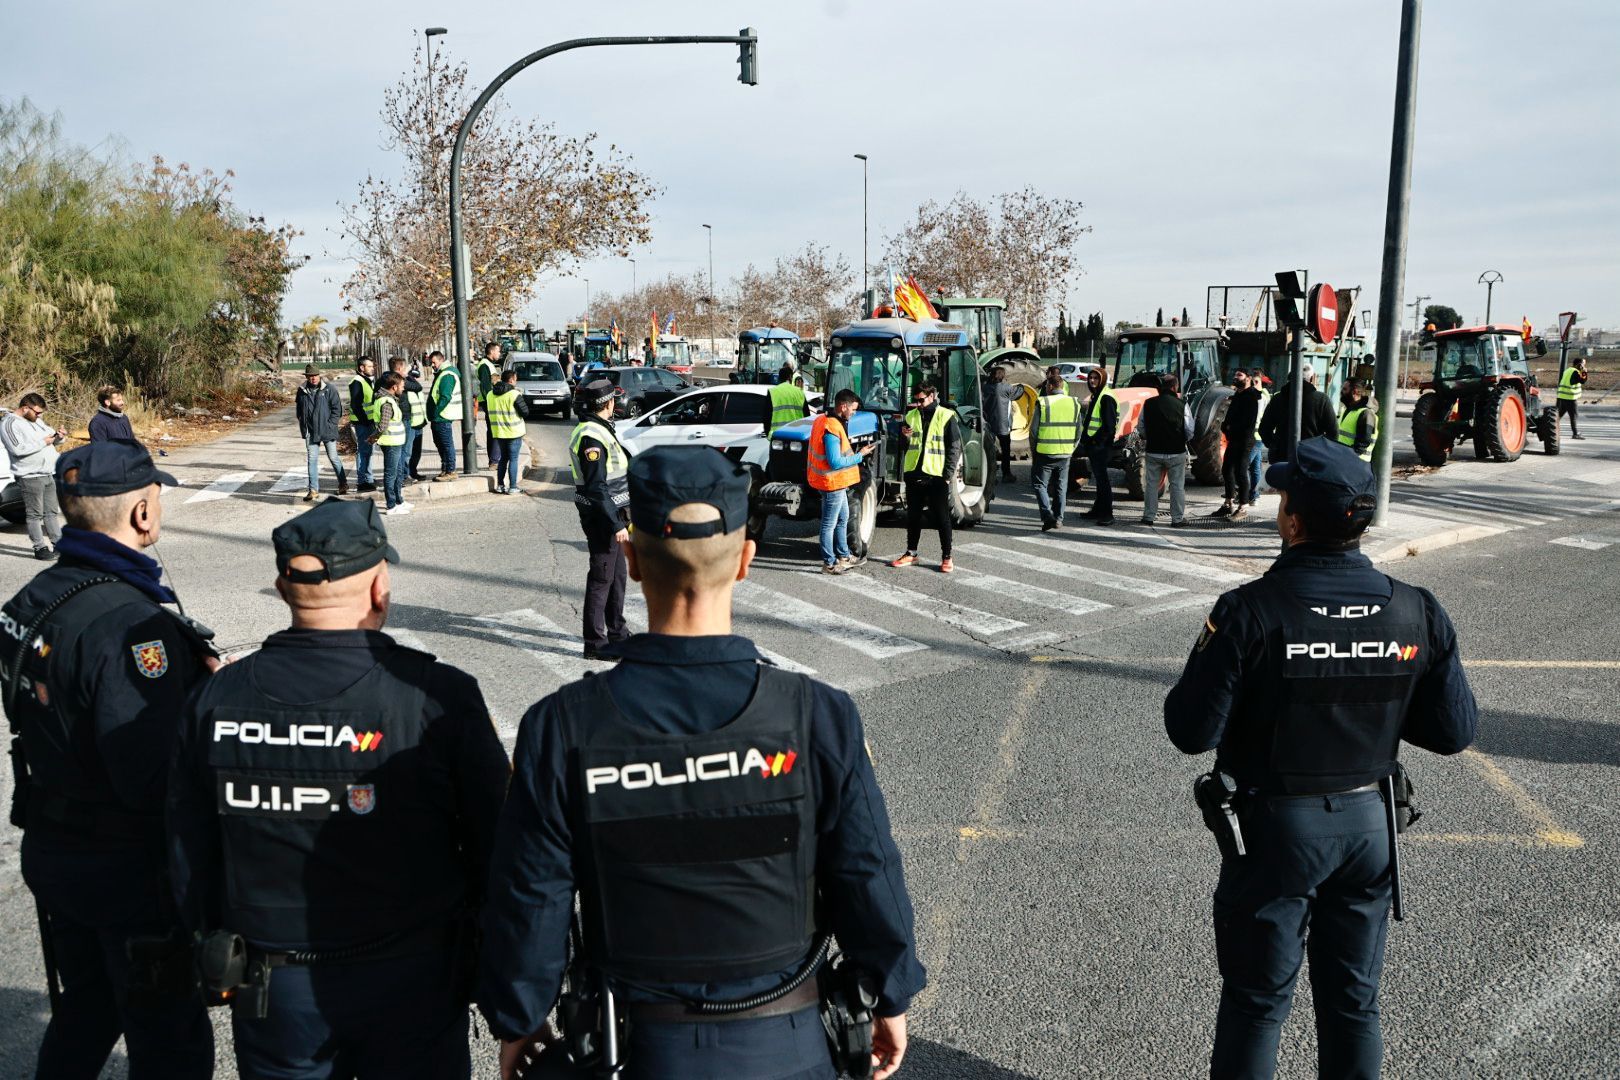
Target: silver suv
(541,381)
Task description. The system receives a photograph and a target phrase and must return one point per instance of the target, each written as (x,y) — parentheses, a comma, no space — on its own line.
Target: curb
(1434,541)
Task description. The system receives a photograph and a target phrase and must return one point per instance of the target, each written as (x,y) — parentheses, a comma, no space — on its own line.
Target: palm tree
(358,331)
(312,333)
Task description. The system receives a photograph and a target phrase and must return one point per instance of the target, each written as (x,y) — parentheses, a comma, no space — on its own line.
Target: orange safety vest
(822,476)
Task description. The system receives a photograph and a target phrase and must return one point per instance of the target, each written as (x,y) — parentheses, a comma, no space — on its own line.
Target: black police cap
(592,394)
(1325,476)
(665,477)
(347,537)
(108,468)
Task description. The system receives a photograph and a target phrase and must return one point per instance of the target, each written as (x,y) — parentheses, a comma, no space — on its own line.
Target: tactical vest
(1349,421)
(1059,431)
(1325,712)
(392,431)
(368,400)
(698,851)
(927,447)
(332,827)
(1569,387)
(504,421)
(618,465)
(787,404)
(69,789)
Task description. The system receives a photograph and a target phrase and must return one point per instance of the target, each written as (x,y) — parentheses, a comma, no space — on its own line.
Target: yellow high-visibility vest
(1058,432)
(929,447)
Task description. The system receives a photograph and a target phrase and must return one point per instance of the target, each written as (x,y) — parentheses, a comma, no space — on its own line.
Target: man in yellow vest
(787,400)
(933,449)
(488,373)
(602,496)
(390,437)
(1570,386)
(1358,423)
(415,404)
(832,468)
(1099,421)
(444,409)
(363,421)
(1054,432)
(503,408)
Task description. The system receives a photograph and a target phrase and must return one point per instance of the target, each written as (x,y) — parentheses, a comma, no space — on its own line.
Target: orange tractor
(1481,389)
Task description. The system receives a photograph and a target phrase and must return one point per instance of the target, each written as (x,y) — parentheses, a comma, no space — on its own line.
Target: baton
(1398,909)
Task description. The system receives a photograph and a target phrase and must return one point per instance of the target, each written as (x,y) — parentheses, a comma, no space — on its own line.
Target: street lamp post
(864,263)
(632,279)
(710,230)
(460,273)
(1489,279)
(587,302)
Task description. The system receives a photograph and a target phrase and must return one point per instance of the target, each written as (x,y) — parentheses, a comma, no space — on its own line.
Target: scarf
(101,552)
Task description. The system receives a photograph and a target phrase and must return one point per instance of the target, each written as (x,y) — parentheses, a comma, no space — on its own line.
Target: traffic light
(748,57)
(1286,300)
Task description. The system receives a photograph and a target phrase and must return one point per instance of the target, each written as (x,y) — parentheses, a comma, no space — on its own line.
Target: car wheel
(633,409)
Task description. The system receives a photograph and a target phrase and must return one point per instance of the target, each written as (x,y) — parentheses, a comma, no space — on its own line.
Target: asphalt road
(1060,872)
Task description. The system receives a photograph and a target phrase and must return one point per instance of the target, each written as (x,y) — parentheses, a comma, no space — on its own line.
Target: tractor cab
(1481,388)
(673,353)
(761,353)
(523,339)
(1146,356)
(600,351)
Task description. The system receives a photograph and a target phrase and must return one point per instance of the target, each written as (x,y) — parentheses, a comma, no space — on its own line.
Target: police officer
(599,466)
(687,893)
(1304,683)
(332,807)
(94,669)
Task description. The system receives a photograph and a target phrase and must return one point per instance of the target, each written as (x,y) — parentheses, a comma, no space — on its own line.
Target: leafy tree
(1443,316)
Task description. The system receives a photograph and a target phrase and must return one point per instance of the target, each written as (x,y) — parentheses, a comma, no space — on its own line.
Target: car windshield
(538,370)
(872,367)
(1143,355)
(767,356)
(673,354)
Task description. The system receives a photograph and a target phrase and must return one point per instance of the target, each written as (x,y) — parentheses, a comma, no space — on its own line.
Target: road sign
(1566,322)
(1322,312)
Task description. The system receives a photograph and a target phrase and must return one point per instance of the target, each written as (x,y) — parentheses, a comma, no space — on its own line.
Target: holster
(1215,794)
(848,996)
(19,783)
(1406,812)
(162,969)
(231,972)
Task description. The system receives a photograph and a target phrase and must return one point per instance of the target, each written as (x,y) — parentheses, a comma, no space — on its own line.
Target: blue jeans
(313,453)
(503,458)
(834,526)
(1254,471)
(444,439)
(393,474)
(363,431)
(1049,476)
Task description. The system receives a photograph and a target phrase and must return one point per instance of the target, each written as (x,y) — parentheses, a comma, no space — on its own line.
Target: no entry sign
(1322,313)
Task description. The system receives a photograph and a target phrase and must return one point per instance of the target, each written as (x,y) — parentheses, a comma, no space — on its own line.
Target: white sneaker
(402,508)
(407,506)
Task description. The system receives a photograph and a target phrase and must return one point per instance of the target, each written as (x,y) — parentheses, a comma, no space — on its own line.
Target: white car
(1073,372)
(731,418)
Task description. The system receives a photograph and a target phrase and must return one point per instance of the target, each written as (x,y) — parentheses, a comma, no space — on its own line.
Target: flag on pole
(654,339)
(669,324)
(613,331)
(1525,330)
(909,299)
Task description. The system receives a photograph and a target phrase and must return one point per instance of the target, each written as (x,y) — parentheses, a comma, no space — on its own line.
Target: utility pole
(632,279)
(1417,326)
(864,261)
(587,303)
(1392,280)
(460,271)
(1489,278)
(710,230)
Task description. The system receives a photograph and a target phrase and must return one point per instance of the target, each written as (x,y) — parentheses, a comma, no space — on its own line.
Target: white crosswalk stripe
(1138,586)
(1067,603)
(1136,558)
(969,619)
(866,639)
(558,651)
(294,479)
(635,613)
(408,638)
(223,488)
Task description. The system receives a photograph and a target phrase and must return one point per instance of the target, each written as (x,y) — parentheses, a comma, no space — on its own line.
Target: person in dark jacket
(999,396)
(1242,418)
(1164,446)
(931,440)
(110,422)
(1317,417)
(736,914)
(319,407)
(414,406)
(105,667)
(1098,424)
(1305,682)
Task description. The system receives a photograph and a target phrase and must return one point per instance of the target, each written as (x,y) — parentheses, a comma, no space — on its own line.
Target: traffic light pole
(1392,281)
(460,272)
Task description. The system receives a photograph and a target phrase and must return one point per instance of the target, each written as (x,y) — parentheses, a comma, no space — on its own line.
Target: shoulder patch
(593,454)
(151,658)
(1206,635)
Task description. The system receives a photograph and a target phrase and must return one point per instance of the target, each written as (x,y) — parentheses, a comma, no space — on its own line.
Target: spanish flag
(909,298)
(613,330)
(1525,330)
(653,341)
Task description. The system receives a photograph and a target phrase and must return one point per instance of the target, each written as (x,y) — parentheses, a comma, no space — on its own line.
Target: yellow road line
(1548,831)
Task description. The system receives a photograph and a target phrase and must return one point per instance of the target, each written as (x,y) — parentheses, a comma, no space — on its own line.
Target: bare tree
(533,203)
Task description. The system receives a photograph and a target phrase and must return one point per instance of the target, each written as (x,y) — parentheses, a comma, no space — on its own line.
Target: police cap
(347,537)
(1325,476)
(665,477)
(592,394)
(108,468)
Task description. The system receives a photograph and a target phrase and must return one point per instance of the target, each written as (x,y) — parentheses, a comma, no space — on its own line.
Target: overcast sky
(1210,143)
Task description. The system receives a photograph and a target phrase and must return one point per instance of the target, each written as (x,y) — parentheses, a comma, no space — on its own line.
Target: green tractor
(1481,390)
(984,319)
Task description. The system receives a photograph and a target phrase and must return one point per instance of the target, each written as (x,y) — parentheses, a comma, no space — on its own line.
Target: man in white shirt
(31,445)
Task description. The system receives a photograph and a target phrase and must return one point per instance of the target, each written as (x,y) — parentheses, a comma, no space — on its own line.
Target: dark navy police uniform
(1305,682)
(95,707)
(601,497)
(333,802)
(713,813)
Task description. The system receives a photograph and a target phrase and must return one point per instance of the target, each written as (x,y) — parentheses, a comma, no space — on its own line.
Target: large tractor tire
(12,510)
(969,504)
(1023,408)
(863,515)
(757,519)
(1547,430)
(1135,467)
(1503,424)
(1208,445)
(1430,437)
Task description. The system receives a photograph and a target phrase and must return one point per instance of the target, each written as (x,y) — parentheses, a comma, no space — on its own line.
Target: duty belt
(402,943)
(1327,794)
(679,1012)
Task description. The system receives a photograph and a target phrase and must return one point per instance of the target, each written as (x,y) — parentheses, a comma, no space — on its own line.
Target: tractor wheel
(1209,445)
(863,515)
(757,519)
(12,510)
(1022,410)
(1135,468)
(1503,424)
(968,504)
(1429,435)
(1547,430)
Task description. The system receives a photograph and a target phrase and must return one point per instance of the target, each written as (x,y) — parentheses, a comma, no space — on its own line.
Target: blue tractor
(761,352)
(882,360)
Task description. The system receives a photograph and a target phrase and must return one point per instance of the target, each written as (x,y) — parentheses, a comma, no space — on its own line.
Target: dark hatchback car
(640,389)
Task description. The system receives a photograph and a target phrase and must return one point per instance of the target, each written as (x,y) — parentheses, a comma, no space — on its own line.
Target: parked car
(1072,371)
(11,497)
(542,382)
(731,418)
(640,389)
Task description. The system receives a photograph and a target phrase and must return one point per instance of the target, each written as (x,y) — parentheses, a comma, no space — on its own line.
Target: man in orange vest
(833,468)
